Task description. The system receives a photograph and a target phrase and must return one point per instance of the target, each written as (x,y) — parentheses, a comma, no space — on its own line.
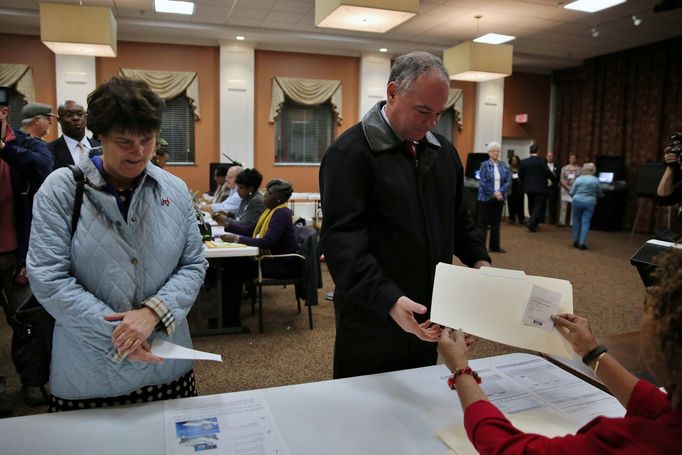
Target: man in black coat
(534,174)
(72,144)
(392,209)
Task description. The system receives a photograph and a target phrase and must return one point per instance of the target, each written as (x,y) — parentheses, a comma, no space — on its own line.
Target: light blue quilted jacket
(111,265)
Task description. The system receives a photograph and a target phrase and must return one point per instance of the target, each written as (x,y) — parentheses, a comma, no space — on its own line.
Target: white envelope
(490,302)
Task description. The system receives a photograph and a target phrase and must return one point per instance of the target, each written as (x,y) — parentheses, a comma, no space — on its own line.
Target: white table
(216,255)
(392,413)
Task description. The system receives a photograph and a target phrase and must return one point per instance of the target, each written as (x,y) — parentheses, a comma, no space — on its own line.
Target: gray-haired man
(392,205)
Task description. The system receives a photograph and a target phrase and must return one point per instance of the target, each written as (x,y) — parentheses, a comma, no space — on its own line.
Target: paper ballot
(490,303)
(167,350)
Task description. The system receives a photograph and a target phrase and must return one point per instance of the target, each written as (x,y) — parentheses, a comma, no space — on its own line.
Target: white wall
(374,72)
(237,73)
(75,79)
(489,104)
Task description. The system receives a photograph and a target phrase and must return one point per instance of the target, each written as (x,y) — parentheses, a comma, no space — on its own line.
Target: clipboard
(490,302)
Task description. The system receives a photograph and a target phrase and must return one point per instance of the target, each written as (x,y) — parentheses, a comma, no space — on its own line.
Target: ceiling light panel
(494,38)
(174,7)
(592,6)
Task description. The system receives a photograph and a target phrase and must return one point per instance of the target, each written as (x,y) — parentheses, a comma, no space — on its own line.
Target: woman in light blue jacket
(130,272)
(584,191)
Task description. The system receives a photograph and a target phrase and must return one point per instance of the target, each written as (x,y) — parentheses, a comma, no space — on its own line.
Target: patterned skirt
(180,388)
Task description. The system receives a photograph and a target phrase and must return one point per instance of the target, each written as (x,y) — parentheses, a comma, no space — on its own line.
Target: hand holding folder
(490,303)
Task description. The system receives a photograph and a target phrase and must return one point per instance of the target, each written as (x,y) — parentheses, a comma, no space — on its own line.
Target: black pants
(515,201)
(537,203)
(240,270)
(490,214)
(552,196)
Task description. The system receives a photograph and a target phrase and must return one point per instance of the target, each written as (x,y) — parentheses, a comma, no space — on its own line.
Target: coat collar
(96,180)
(381,136)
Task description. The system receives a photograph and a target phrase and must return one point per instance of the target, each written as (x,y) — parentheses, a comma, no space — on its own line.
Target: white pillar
(374,72)
(489,105)
(237,73)
(75,78)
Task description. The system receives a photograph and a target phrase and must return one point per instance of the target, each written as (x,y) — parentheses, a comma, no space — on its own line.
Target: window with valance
(19,79)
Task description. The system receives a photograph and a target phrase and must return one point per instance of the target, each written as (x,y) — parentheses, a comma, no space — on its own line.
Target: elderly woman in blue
(494,185)
(131,270)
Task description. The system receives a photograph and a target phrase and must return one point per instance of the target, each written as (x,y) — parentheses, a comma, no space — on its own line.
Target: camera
(675,146)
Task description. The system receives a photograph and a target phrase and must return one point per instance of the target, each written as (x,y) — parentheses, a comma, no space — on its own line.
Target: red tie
(411,149)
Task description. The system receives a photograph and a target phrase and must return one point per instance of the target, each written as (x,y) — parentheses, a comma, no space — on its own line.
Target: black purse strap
(79,177)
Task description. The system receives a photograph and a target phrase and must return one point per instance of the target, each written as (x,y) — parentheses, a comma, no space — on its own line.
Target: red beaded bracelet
(459,372)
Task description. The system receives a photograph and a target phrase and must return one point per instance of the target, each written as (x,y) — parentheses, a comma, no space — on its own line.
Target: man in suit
(534,174)
(73,144)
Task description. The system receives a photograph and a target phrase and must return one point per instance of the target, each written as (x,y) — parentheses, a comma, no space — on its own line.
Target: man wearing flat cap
(73,143)
(161,154)
(30,162)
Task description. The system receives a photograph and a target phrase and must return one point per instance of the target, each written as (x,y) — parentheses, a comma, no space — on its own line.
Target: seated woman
(251,206)
(273,233)
(653,422)
(130,271)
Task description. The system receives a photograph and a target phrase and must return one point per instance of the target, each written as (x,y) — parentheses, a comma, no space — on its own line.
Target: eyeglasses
(71,114)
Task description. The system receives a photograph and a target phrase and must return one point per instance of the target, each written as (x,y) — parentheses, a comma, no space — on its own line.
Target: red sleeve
(647,401)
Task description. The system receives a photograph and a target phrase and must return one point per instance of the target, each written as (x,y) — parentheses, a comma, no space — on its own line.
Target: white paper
(537,397)
(167,350)
(239,423)
(542,305)
(490,303)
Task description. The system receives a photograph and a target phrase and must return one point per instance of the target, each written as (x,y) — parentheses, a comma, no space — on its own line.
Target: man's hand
(134,329)
(481,263)
(143,353)
(670,159)
(576,330)
(402,313)
(208,208)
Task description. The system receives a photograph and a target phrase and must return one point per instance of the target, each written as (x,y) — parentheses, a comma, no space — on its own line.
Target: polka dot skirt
(180,388)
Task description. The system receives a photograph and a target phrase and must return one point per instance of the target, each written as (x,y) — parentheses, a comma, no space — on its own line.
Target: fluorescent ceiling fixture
(383,49)
(494,38)
(240,38)
(78,30)
(478,62)
(592,6)
(173,7)
(376,16)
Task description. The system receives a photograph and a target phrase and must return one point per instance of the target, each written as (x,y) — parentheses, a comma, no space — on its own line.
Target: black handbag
(33,325)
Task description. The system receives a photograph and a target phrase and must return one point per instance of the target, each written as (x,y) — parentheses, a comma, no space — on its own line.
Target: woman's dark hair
(282,188)
(518,160)
(124,105)
(665,301)
(250,178)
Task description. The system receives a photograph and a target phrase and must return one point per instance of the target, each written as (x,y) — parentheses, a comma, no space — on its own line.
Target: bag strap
(79,177)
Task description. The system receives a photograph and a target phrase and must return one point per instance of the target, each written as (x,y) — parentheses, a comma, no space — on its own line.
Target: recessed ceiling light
(383,49)
(173,7)
(592,6)
(494,38)
(240,38)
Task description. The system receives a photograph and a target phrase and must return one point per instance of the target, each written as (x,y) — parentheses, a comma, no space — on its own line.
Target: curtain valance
(456,101)
(309,92)
(170,84)
(19,76)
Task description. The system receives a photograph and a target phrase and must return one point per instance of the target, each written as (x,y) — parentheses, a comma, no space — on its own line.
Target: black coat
(534,174)
(386,223)
(60,151)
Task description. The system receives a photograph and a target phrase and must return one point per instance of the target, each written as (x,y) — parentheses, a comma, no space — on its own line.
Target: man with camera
(25,162)
(669,190)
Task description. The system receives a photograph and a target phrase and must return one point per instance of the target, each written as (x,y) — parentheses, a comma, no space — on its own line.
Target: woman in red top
(653,422)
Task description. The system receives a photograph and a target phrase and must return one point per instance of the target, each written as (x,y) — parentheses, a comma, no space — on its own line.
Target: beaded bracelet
(459,372)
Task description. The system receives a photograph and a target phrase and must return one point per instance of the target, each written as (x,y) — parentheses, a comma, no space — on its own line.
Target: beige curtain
(170,84)
(309,92)
(456,101)
(20,76)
